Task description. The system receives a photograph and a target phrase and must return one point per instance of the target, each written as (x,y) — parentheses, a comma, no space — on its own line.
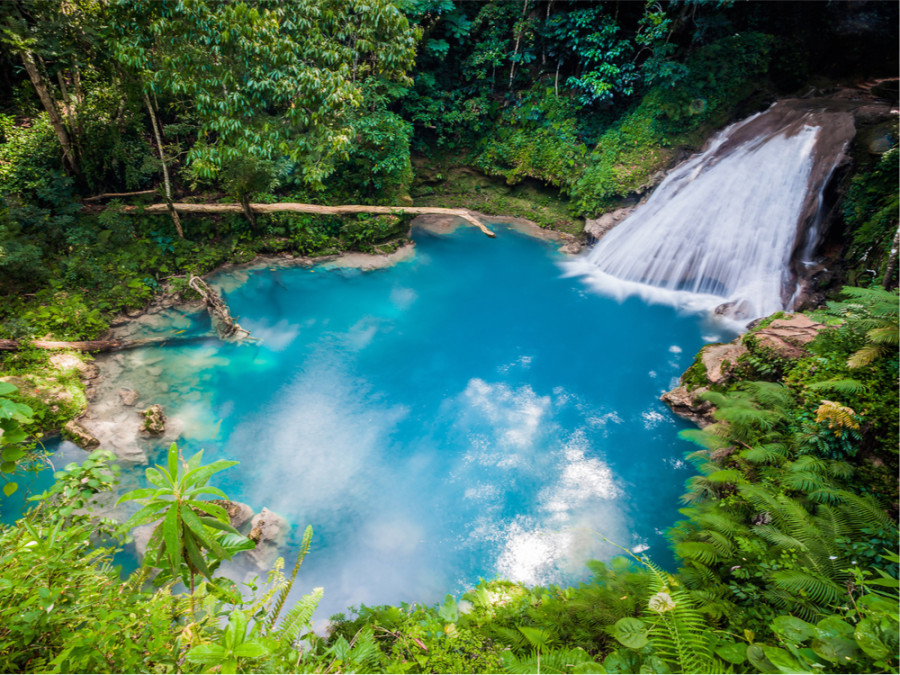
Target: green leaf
(782,660)
(832,626)
(449,610)
(10,488)
(757,656)
(173,462)
(732,652)
(217,525)
(171,529)
(835,649)
(793,629)
(631,632)
(206,654)
(146,515)
(868,637)
(12,453)
(235,543)
(252,649)
(7,388)
(195,556)
(198,477)
(142,493)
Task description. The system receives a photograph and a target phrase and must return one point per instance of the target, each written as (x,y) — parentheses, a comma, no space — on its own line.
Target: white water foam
(720,228)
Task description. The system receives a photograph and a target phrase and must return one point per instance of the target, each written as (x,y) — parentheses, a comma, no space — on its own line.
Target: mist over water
(467,413)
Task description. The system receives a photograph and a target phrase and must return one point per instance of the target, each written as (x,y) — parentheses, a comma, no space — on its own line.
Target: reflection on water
(468,413)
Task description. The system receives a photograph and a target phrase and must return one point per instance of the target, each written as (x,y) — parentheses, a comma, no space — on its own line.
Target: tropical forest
(449,336)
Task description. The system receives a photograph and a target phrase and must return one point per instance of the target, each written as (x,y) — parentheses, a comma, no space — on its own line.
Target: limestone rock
(141,536)
(238,513)
(788,337)
(719,360)
(596,228)
(685,404)
(268,530)
(571,248)
(80,436)
(154,420)
(128,396)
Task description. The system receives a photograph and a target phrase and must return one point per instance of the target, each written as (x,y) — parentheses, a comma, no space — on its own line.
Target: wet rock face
(268,530)
(154,420)
(80,436)
(686,404)
(596,228)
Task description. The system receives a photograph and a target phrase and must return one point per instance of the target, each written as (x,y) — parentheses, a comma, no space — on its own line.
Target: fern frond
(299,616)
(697,550)
(286,589)
(824,592)
(844,387)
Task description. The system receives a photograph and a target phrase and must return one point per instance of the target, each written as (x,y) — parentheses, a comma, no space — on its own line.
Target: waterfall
(726,228)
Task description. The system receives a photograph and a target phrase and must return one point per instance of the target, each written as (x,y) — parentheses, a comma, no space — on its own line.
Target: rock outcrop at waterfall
(735,228)
(716,365)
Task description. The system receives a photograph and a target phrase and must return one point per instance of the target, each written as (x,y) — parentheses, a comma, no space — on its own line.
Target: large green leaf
(868,637)
(757,656)
(251,649)
(171,530)
(631,632)
(782,660)
(794,629)
(198,477)
(835,649)
(449,610)
(732,652)
(206,654)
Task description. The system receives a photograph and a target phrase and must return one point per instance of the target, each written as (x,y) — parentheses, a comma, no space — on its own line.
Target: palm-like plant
(875,311)
(189,528)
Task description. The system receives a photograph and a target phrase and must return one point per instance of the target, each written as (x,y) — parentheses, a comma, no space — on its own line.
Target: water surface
(467,413)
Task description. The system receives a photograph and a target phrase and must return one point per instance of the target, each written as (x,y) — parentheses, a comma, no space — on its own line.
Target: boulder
(154,420)
(788,337)
(141,536)
(80,436)
(268,530)
(720,359)
(238,513)
(128,396)
(596,228)
(685,404)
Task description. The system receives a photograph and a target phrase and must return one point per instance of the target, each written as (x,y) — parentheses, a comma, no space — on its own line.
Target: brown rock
(268,530)
(687,405)
(238,513)
(79,435)
(596,228)
(719,360)
(128,396)
(788,337)
(154,420)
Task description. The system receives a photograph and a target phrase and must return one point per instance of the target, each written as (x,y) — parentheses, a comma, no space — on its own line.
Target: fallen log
(114,195)
(291,207)
(226,326)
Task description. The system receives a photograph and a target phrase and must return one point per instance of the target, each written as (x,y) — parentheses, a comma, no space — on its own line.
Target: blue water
(466,413)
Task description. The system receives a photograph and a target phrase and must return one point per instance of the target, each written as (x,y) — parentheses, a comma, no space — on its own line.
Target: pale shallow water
(467,413)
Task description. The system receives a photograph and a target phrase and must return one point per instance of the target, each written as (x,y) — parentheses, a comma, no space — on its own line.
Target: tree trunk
(165,169)
(290,207)
(248,212)
(52,111)
(512,68)
(892,261)
(69,109)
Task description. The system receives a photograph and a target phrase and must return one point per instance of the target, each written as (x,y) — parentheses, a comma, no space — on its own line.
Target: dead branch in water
(225,325)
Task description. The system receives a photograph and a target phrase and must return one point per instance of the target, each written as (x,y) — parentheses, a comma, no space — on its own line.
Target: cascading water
(722,230)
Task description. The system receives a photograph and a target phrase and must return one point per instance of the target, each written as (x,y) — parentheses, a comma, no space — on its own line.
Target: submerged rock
(80,436)
(128,396)
(154,420)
